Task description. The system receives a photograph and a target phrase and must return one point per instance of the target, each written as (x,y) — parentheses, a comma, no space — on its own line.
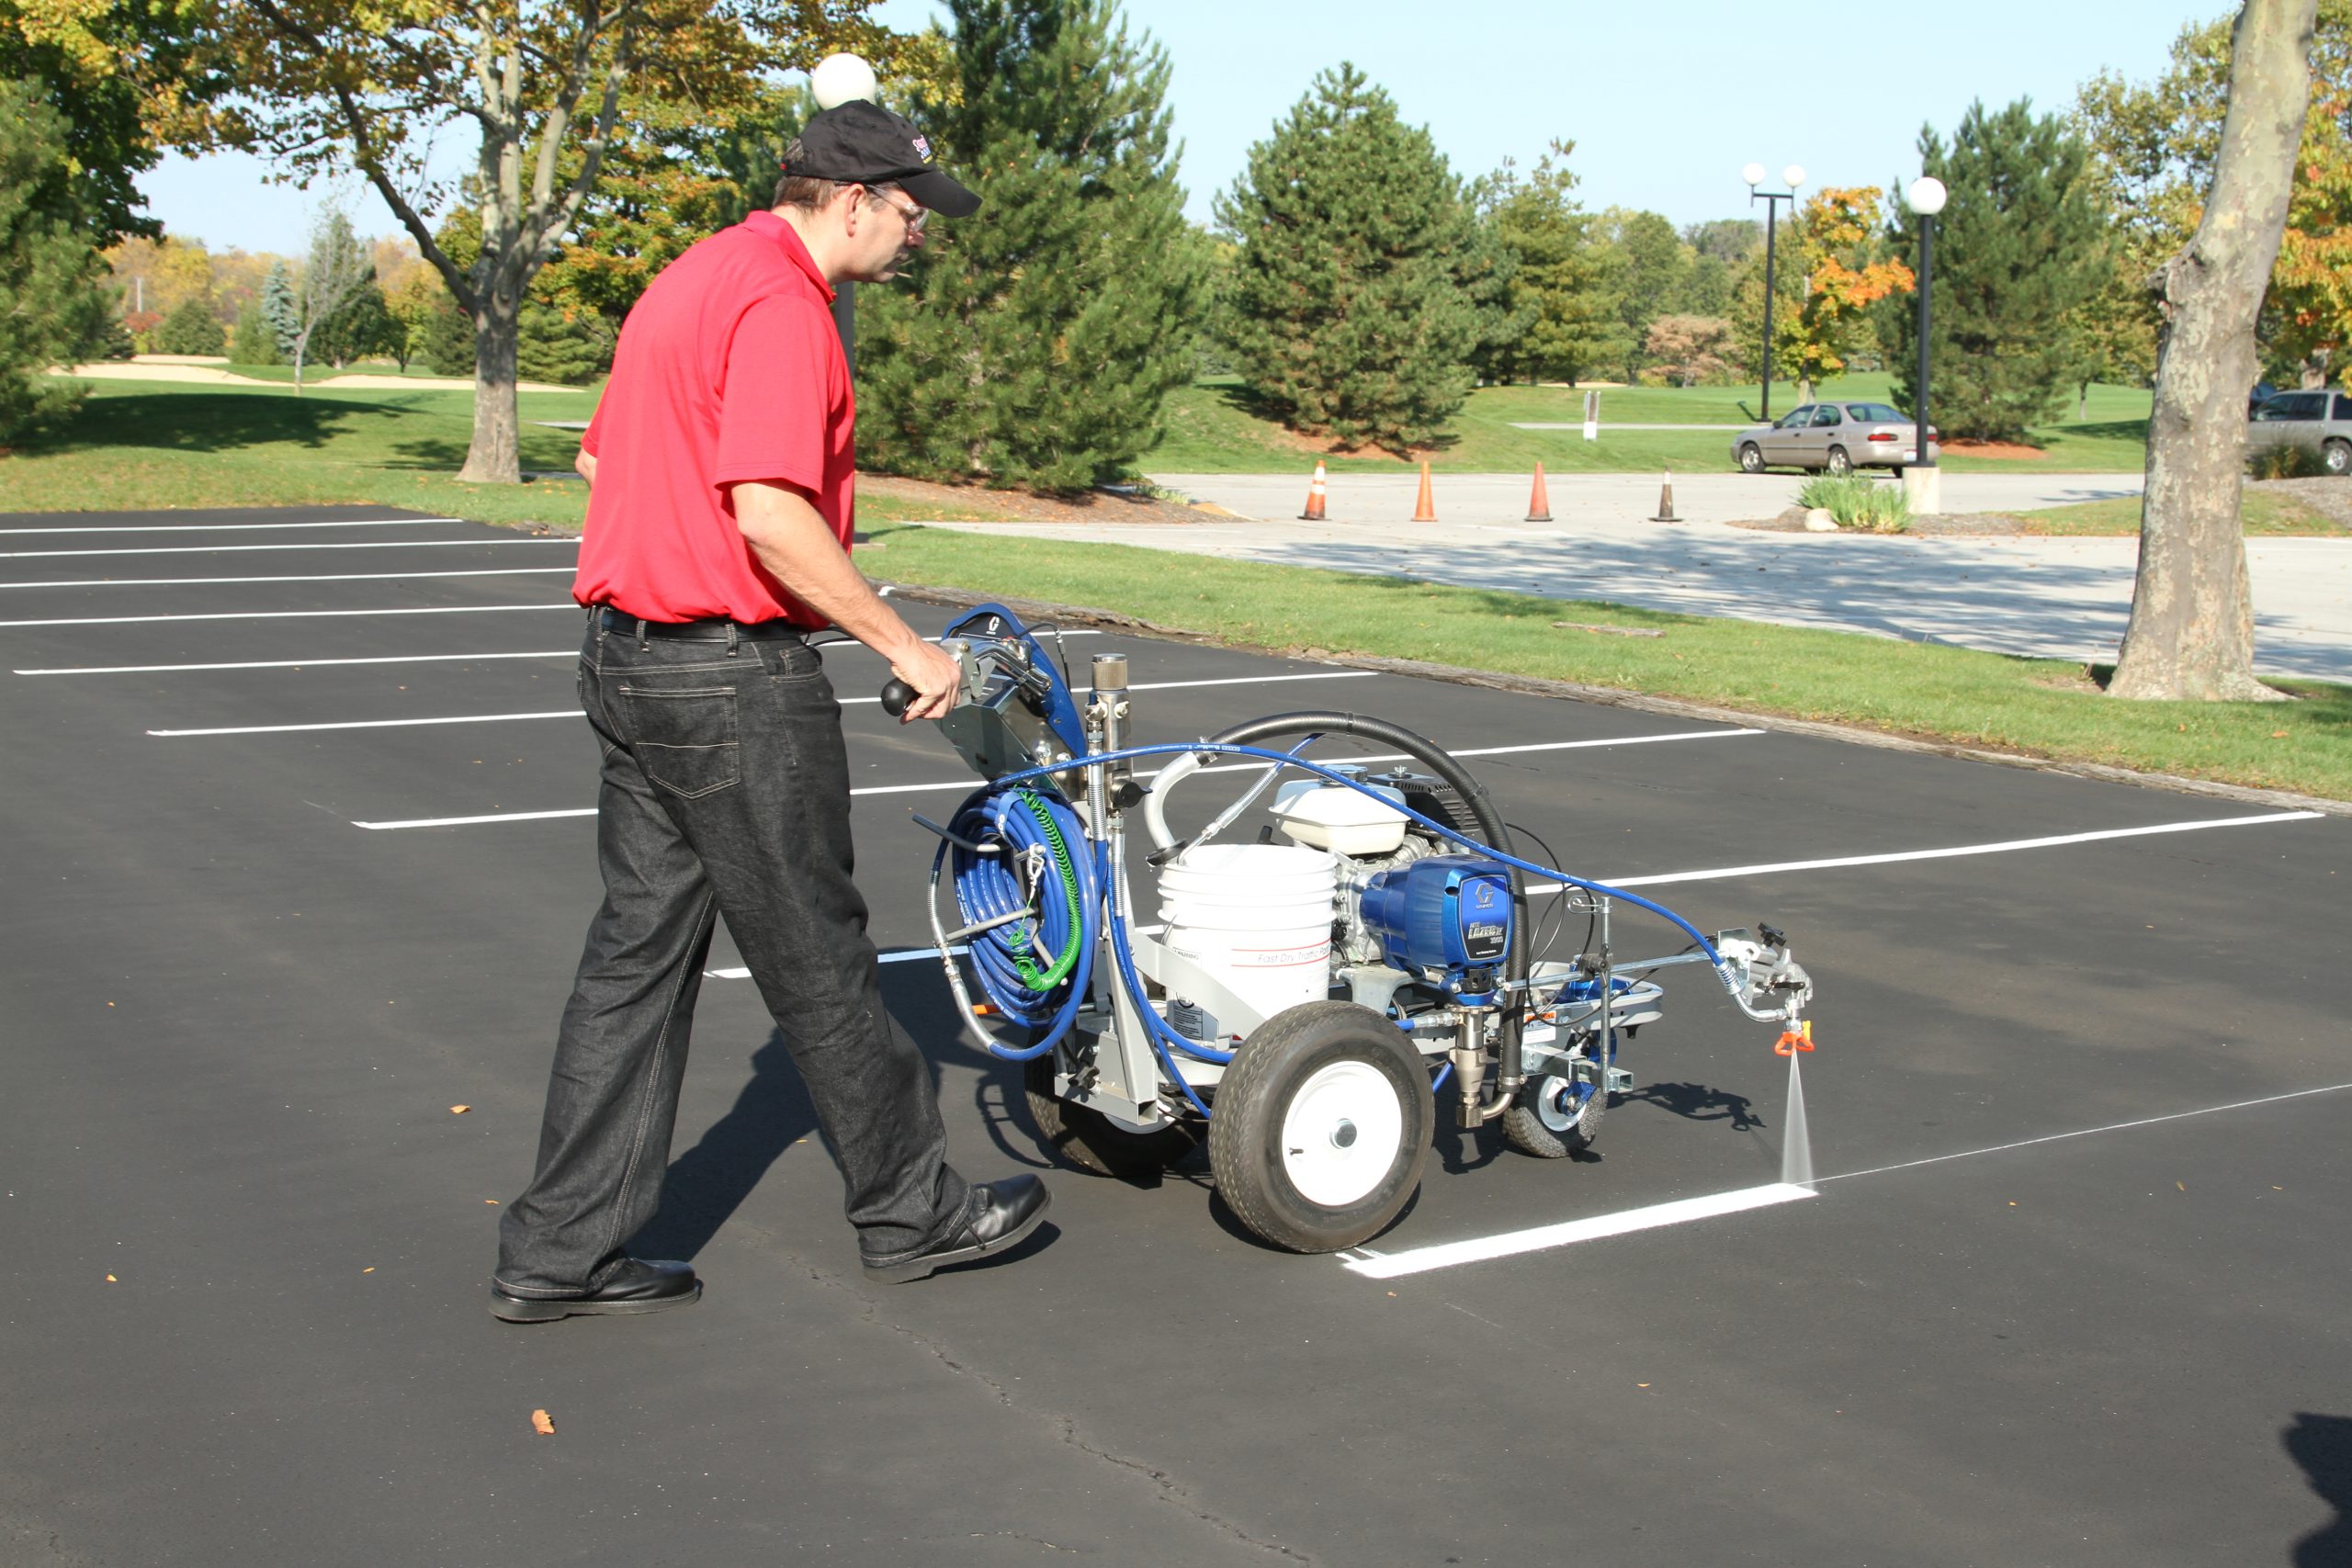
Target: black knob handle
(895,698)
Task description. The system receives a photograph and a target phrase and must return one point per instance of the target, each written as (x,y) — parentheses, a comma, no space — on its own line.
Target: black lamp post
(1793,175)
(1924,481)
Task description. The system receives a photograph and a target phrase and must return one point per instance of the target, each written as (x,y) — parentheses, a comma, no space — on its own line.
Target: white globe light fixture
(1753,174)
(840,79)
(1927,196)
(1793,175)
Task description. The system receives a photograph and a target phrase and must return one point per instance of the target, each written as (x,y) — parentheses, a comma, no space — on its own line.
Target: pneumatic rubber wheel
(1752,457)
(1839,462)
(1092,1140)
(1553,1118)
(1320,1127)
(2336,458)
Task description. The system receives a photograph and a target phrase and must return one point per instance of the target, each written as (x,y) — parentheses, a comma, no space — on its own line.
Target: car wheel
(2336,458)
(1751,459)
(1839,462)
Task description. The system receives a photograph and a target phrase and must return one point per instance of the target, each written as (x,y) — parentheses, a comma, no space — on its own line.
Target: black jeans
(725,791)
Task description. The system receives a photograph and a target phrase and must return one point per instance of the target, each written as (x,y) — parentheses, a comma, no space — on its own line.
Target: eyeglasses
(914,214)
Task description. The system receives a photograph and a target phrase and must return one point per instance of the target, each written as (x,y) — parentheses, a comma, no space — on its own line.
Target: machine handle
(896,696)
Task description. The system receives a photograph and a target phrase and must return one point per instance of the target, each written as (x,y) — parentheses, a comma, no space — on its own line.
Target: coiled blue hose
(1029,829)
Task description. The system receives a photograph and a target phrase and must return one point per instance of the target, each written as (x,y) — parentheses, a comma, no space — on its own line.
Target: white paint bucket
(1256,916)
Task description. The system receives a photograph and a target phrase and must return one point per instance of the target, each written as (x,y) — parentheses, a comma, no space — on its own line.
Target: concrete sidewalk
(2062,598)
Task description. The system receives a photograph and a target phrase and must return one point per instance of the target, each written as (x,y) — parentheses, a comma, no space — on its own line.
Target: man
(719,466)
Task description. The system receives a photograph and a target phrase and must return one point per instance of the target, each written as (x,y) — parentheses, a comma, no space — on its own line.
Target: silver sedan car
(1839,437)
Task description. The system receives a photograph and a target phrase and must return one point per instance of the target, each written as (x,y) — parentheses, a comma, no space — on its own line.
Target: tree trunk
(495,455)
(2192,608)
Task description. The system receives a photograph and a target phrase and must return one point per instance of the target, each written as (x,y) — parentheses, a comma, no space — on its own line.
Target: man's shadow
(2323,1446)
(707,1183)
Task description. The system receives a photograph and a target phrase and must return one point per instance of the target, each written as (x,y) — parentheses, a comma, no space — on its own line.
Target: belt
(622,623)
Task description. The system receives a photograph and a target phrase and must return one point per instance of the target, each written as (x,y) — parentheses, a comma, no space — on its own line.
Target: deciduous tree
(1842,258)
(324,85)
(49,273)
(1691,350)
(2192,607)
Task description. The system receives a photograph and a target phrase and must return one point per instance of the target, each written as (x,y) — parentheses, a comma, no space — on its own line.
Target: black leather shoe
(1008,1210)
(636,1286)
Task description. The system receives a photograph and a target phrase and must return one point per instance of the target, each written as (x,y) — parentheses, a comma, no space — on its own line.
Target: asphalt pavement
(302,846)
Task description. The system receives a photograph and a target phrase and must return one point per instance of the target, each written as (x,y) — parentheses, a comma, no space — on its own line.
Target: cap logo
(923,149)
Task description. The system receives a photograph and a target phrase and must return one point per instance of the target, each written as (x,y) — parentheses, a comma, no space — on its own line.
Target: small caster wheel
(1092,1140)
(1322,1123)
(1552,1118)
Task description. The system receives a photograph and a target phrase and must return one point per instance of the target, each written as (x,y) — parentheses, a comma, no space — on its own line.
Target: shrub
(255,341)
(1857,502)
(191,329)
(2284,463)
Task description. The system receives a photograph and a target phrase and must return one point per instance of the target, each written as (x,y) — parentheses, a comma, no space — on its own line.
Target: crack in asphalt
(1170,1492)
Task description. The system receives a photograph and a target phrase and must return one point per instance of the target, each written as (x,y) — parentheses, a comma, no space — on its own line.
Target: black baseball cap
(863,143)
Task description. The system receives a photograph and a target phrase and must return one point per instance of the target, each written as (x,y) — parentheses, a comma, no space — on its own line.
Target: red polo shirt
(729,369)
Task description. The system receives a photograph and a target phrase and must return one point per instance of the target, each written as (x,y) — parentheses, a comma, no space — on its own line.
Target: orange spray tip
(1795,1040)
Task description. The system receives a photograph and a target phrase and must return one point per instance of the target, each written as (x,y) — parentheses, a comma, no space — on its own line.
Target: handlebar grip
(896,696)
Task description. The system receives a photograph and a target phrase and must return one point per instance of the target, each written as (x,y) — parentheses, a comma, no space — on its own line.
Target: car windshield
(1875,413)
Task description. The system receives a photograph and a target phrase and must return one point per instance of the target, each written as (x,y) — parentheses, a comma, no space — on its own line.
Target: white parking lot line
(238,528)
(292,614)
(342,576)
(227,549)
(293,663)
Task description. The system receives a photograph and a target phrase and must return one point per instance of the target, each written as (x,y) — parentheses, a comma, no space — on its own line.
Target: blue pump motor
(1447,917)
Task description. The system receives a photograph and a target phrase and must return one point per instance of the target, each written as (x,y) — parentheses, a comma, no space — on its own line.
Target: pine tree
(192,328)
(1349,312)
(1040,336)
(1567,281)
(49,297)
(2018,249)
(253,342)
(568,350)
(1656,267)
(279,312)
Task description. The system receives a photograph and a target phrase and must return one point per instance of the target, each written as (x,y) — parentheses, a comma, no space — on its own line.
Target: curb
(1611,696)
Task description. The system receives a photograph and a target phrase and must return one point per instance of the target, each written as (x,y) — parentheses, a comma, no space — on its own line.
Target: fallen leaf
(461,1109)
(2013,1203)
(2277,735)
(369,1270)
(112,1280)
(1640,1385)
(542,1422)
(491,1201)
(2182,1185)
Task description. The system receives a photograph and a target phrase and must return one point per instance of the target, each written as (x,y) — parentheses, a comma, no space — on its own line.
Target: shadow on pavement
(2323,1446)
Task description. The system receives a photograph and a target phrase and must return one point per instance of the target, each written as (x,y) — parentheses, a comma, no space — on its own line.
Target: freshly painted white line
(240,527)
(292,614)
(339,577)
(2087,1132)
(371,724)
(1504,750)
(970,784)
(1481,1249)
(1172,686)
(472,821)
(298,663)
(226,549)
(1957,851)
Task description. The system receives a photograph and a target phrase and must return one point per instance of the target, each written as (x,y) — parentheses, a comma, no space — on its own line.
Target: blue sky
(1664,100)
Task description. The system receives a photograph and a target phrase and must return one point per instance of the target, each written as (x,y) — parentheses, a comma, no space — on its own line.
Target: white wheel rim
(1553,1097)
(1340,1133)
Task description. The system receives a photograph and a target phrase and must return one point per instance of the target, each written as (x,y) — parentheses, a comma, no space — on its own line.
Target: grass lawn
(1213,427)
(2040,707)
(137,446)
(2261,514)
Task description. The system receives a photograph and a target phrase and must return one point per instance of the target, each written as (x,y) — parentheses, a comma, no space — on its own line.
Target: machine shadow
(2323,1446)
(707,1184)
(1697,1102)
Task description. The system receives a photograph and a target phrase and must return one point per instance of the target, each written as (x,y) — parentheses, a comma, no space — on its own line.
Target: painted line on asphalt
(295,663)
(385,659)
(1542,1238)
(1374,1264)
(2005,846)
(339,577)
(970,784)
(293,615)
(234,527)
(575,713)
(227,549)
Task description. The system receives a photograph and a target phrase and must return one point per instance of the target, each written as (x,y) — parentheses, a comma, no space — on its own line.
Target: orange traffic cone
(1665,500)
(1539,504)
(1425,508)
(1315,495)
